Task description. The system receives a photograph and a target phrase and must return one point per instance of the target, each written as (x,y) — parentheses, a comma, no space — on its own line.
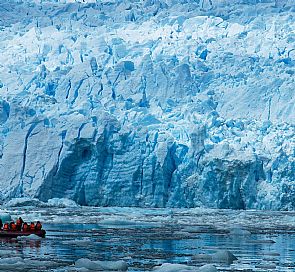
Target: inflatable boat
(17,233)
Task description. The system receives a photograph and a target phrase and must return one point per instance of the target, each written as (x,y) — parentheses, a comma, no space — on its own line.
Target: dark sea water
(147,238)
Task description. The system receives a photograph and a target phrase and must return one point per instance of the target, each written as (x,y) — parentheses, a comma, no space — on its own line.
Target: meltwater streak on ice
(148,103)
(144,238)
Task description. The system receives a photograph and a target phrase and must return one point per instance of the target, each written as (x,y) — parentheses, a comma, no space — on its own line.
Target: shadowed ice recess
(159,103)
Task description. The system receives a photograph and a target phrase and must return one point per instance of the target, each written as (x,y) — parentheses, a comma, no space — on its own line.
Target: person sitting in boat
(38,226)
(13,226)
(10,225)
(32,226)
(25,226)
(19,223)
(6,227)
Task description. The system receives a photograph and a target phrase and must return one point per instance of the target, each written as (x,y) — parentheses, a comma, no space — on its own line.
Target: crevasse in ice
(148,103)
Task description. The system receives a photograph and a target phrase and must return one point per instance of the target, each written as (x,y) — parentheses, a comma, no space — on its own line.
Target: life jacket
(25,227)
(38,226)
(13,226)
(6,226)
(32,226)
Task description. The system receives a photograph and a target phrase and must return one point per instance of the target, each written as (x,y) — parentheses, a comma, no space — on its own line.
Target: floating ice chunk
(202,258)
(83,243)
(208,268)
(11,263)
(168,267)
(268,266)
(221,256)
(101,266)
(240,232)
(29,237)
(5,252)
(117,222)
(12,260)
(20,264)
(5,217)
(62,203)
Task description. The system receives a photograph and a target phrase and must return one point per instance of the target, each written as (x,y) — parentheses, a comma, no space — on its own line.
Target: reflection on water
(143,246)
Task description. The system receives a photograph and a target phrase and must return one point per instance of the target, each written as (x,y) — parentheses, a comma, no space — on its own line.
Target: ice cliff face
(149,103)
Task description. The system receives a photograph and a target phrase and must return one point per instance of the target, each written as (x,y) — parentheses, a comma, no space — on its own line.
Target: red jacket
(13,226)
(38,226)
(25,227)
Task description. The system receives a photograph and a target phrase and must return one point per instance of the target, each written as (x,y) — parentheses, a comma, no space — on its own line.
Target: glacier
(157,103)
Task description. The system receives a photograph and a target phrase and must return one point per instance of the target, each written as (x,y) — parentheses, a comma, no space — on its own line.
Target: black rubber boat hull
(14,234)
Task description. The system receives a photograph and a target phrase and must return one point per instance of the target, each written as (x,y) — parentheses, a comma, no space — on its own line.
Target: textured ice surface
(53,202)
(61,203)
(167,267)
(148,103)
(101,266)
(24,201)
(225,257)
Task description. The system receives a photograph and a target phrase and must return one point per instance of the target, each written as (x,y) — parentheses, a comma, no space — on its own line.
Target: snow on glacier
(148,103)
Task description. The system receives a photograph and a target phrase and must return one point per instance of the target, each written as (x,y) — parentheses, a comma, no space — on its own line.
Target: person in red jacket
(25,227)
(6,227)
(38,226)
(32,226)
(19,223)
(13,226)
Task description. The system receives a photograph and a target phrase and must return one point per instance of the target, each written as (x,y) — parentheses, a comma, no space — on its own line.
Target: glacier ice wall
(152,103)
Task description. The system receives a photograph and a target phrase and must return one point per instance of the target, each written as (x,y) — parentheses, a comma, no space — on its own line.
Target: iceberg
(148,103)
(4,216)
(168,267)
(101,265)
(221,256)
(13,263)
